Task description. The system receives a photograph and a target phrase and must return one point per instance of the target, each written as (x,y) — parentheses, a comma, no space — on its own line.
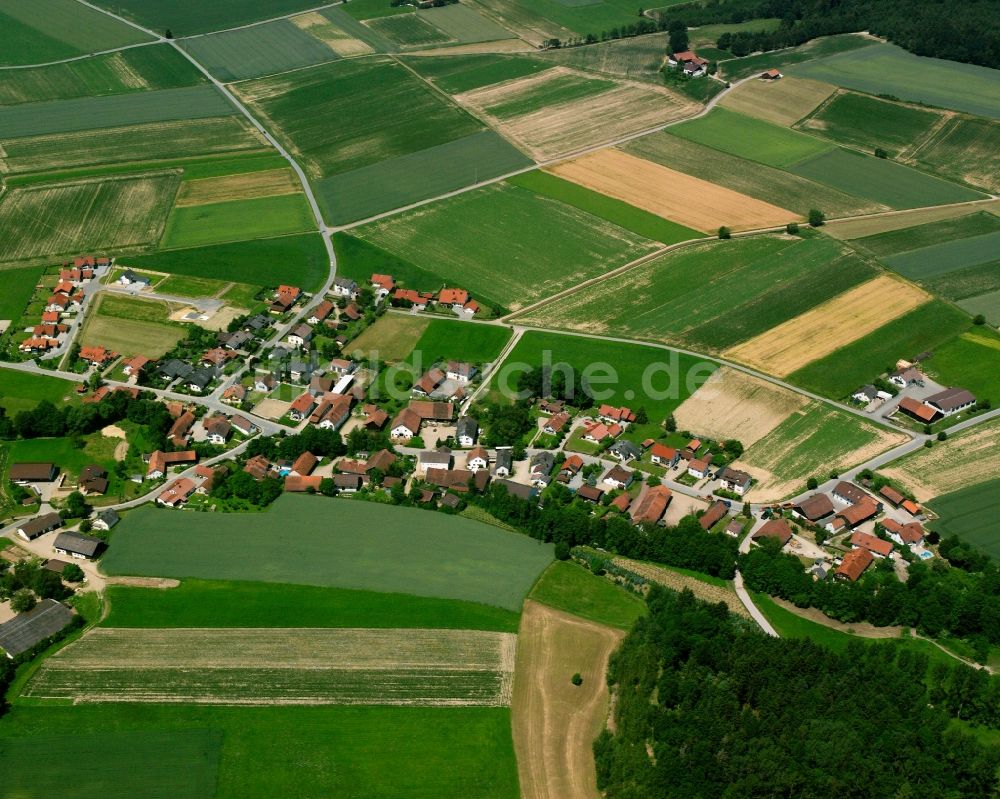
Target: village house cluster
(64,306)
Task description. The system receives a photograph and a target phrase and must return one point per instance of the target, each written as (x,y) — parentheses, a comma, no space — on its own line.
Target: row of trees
(707,706)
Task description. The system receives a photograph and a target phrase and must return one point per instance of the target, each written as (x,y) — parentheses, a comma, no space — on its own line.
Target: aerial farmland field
(111,213)
(948,256)
(21,391)
(971,513)
(338,31)
(927,234)
(485,563)
(188,17)
(965,149)
(750,178)
(241,186)
(687,297)
(782,102)
(18,286)
(506,243)
(464,24)
(887,69)
(217,223)
(636,58)
(463,73)
(971,360)
(551,87)
(408,31)
(736,68)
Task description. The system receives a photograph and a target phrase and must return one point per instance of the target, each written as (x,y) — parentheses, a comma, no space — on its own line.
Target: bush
(880,153)
(72,573)
(816,217)
(576,679)
(812,484)
(942,436)
(792,228)
(22,601)
(562,550)
(724,232)
(979,319)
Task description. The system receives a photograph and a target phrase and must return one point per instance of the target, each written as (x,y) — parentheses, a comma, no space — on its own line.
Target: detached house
(467,431)
(617,477)
(541,468)
(853,565)
(382,285)
(460,371)
(300,336)
(301,407)
(556,424)
(734,480)
(625,451)
(345,287)
(477,459)
(504,462)
(666,457)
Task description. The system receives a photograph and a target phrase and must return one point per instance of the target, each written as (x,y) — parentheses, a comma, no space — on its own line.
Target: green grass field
(986,303)
(620,374)
(18,286)
(49,30)
(965,149)
(131,336)
(237,220)
(635,58)
(69,218)
(333,116)
(948,256)
(205,603)
(138,69)
(373,9)
(391,339)
(191,286)
(446,340)
(563,18)
(972,361)
(569,586)
(21,391)
(462,73)
(880,180)
(188,17)
(560,89)
(713,295)
(620,213)
(841,372)
(894,242)
(405,179)
(341,543)
(750,138)
(748,177)
(64,453)
(867,122)
(155,763)
(406,753)
(972,513)
(69,116)
(464,24)
(506,243)
(736,68)
(298,260)
(408,31)
(258,50)
(887,69)
(152,142)
(359,259)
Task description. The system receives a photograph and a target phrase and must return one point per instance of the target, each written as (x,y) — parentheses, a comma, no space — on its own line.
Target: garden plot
(782,102)
(96,213)
(827,327)
(670,194)
(283,667)
(733,404)
(269,183)
(971,457)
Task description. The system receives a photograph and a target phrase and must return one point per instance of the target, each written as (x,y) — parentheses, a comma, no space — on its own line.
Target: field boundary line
(78,57)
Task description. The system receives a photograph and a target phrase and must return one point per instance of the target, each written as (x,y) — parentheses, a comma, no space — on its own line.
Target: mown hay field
(834,324)
(753,179)
(333,117)
(130,336)
(971,513)
(155,141)
(73,217)
(18,286)
(750,138)
(69,116)
(534,93)
(783,102)
(246,186)
(841,372)
(391,338)
(137,69)
(965,459)
(49,30)
(887,69)
(948,256)
(506,243)
(312,541)
(733,69)
(690,296)
(21,391)
(572,588)
(266,49)
(431,172)
(237,220)
(463,73)
(970,360)
(672,195)
(347,666)
(633,58)
(734,405)
(812,442)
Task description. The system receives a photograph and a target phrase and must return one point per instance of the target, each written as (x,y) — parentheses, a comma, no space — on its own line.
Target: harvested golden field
(340,42)
(270,183)
(829,326)
(897,220)
(555,722)
(963,460)
(678,582)
(284,666)
(733,404)
(673,195)
(782,102)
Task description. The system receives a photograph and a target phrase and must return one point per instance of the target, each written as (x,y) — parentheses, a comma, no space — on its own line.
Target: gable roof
(854,564)
(774,528)
(25,630)
(871,542)
(652,505)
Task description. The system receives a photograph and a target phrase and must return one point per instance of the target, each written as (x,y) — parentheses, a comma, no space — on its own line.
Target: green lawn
(972,361)
(507,244)
(569,586)
(881,180)
(750,138)
(842,371)
(20,391)
(462,73)
(297,260)
(971,513)
(868,123)
(207,603)
(887,69)
(237,220)
(391,339)
(976,223)
(445,339)
(620,213)
(713,295)
(314,752)
(62,452)
(18,286)
(342,543)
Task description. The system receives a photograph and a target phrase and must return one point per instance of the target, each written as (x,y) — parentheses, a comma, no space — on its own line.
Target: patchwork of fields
(971,513)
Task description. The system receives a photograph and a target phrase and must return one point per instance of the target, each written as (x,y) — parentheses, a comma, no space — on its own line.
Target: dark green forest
(708,706)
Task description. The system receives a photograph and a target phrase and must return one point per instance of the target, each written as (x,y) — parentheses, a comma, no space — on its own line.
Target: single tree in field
(577,679)
(792,228)
(22,601)
(816,217)
(724,232)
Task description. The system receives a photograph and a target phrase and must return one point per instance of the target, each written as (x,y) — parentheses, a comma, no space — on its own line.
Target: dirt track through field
(269,183)
(555,722)
(673,195)
(733,404)
(829,326)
